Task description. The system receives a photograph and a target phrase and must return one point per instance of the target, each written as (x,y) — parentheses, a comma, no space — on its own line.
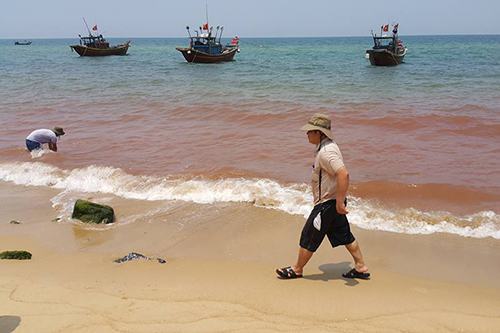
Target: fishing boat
(386,50)
(24,42)
(206,47)
(97,46)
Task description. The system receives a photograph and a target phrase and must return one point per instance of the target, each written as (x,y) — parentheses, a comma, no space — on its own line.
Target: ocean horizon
(256,37)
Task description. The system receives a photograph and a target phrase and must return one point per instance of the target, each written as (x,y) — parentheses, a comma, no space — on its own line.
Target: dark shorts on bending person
(33,145)
(333,225)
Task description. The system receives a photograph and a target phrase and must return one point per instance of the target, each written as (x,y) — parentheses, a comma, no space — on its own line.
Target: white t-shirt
(43,136)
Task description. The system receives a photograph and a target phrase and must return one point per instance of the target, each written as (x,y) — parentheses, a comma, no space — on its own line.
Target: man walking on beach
(330,181)
(39,137)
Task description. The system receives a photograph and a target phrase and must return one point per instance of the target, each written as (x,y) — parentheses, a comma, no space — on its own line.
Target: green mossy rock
(17,255)
(90,212)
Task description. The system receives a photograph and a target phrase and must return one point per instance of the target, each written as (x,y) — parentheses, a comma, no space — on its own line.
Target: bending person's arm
(53,146)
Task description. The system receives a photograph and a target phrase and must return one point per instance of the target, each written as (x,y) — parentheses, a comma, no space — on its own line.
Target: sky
(253,18)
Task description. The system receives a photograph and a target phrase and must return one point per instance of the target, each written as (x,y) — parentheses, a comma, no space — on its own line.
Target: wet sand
(219,274)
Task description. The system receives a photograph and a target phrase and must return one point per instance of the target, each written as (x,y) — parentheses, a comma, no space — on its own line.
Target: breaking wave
(292,199)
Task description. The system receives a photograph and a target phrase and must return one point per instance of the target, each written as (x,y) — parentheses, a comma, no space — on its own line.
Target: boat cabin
(386,42)
(97,42)
(206,44)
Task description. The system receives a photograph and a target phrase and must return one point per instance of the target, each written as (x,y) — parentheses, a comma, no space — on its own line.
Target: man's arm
(342,177)
(335,167)
(53,146)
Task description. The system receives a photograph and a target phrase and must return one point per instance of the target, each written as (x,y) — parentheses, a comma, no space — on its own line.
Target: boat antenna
(221,30)
(90,33)
(206,11)
(189,33)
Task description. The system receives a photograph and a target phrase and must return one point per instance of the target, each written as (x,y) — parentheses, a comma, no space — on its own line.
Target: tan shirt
(329,160)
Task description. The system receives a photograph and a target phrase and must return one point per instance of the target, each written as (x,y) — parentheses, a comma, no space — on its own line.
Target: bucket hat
(59,131)
(319,122)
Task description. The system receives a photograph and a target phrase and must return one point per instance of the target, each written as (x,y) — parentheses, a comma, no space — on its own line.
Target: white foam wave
(412,221)
(37,153)
(262,192)
(294,199)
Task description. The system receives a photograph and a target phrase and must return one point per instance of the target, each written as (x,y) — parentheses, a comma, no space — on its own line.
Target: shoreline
(388,195)
(220,275)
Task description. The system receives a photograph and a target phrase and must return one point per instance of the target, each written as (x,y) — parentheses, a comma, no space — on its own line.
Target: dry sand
(220,274)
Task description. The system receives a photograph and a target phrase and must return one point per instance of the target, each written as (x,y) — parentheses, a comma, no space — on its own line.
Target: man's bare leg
(302,260)
(356,254)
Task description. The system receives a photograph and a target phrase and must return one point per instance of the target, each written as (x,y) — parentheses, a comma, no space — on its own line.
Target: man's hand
(341,209)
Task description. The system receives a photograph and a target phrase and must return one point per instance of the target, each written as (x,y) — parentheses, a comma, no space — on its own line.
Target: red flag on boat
(94,27)
(385,28)
(205,26)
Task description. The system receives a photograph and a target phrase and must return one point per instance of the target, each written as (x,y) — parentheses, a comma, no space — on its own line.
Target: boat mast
(206,13)
(90,33)
(208,27)
(221,30)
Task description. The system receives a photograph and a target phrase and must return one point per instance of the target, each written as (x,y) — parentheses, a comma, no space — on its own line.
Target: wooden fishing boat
(24,42)
(97,46)
(207,48)
(386,50)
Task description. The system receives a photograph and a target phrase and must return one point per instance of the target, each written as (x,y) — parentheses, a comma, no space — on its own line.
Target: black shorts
(333,225)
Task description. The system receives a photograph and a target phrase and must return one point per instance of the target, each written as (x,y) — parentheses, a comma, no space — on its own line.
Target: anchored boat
(24,42)
(386,50)
(97,46)
(206,47)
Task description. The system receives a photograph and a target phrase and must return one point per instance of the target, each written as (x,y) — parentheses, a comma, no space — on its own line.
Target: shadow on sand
(333,272)
(9,323)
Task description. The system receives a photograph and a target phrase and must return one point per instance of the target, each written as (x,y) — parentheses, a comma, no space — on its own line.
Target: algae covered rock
(16,255)
(90,212)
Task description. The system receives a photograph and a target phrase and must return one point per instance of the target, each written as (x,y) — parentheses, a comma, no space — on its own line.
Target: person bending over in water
(39,137)
(330,181)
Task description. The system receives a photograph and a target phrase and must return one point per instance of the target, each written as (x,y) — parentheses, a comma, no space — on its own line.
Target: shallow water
(425,131)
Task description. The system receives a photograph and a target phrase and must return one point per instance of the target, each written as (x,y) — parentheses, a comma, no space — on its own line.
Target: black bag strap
(319,185)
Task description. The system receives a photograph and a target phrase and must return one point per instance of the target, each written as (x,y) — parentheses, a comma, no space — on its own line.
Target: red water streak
(263,139)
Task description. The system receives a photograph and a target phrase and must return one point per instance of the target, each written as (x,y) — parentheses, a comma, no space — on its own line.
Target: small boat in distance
(205,47)
(97,46)
(23,42)
(387,50)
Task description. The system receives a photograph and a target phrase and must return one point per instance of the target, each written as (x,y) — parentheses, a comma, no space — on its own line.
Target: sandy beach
(207,138)
(219,274)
